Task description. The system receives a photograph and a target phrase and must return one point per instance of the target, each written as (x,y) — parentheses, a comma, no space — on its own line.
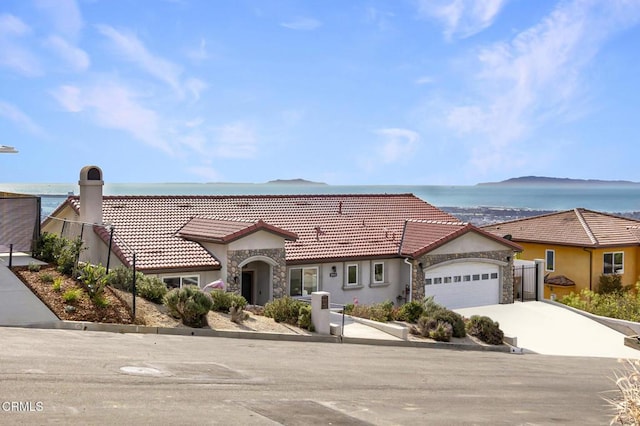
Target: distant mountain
(295,182)
(543,180)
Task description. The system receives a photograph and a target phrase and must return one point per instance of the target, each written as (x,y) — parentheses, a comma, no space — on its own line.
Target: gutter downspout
(406,260)
(590,267)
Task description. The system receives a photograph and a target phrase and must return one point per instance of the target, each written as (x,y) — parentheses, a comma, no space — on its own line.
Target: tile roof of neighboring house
(577,227)
(327,226)
(422,236)
(219,230)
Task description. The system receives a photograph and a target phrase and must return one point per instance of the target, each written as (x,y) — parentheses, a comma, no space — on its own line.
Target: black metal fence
(525,282)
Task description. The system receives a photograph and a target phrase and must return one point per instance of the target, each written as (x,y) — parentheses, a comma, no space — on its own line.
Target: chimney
(91,184)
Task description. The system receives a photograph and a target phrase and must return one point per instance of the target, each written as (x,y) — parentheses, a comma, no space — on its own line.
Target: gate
(525,282)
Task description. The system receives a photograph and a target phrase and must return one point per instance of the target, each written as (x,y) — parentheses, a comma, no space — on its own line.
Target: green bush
(151,288)
(122,278)
(622,305)
(485,329)
(67,256)
(33,267)
(381,312)
(455,320)
(72,295)
(48,247)
(100,301)
(304,318)
(424,326)
(189,304)
(57,284)
(430,306)
(94,279)
(46,277)
(442,332)
(223,300)
(285,309)
(411,311)
(609,283)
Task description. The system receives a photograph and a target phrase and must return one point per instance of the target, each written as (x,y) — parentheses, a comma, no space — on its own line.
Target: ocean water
(605,198)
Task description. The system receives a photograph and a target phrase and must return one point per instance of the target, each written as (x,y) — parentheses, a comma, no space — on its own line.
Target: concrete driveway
(551,330)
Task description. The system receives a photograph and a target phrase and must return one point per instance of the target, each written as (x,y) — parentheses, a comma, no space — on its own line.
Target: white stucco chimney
(91,184)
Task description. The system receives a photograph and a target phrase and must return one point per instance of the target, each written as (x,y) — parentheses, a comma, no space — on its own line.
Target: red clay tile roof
(577,227)
(218,230)
(423,236)
(327,226)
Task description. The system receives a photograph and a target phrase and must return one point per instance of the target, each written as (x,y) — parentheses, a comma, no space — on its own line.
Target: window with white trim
(378,272)
(614,263)
(303,281)
(550,260)
(181,281)
(352,274)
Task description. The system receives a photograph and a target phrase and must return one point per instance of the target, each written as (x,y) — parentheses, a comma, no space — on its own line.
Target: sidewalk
(18,305)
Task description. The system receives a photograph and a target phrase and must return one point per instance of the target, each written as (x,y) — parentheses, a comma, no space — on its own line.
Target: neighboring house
(578,246)
(369,248)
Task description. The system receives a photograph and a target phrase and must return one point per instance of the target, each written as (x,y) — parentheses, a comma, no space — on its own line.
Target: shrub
(33,267)
(100,301)
(411,311)
(47,247)
(45,277)
(485,329)
(381,312)
(57,284)
(223,300)
(430,306)
(122,278)
(94,279)
(238,315)
(455,320)
(304,318)
(152,289)
(609,283)
(189,304)
(72,295)
(424,326)
(67,256)
(285,309)
(442,332)
(622,305)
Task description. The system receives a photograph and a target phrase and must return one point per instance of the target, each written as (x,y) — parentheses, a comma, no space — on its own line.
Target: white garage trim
(464,284)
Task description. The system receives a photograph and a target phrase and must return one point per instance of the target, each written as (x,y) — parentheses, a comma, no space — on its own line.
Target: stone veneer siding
(279,278)
(506,271)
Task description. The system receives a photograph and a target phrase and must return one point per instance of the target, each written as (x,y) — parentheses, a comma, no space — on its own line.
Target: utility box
(321,312)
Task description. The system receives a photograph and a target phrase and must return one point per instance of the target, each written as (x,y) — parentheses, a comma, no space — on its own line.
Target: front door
(247,286)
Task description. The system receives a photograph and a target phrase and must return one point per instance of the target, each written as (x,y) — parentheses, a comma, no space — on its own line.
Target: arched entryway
(256,284)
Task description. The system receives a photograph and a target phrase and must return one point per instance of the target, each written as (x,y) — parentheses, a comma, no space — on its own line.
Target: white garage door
(463,285)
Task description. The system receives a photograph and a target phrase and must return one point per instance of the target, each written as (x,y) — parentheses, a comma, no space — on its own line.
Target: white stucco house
(372,247)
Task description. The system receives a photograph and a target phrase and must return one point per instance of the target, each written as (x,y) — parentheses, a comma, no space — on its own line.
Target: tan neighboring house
(578,246)
(370,248)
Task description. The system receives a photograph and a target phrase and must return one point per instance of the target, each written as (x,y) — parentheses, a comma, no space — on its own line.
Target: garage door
(463,285)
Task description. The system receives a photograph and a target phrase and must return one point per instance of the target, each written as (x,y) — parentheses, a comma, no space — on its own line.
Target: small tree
(609,283)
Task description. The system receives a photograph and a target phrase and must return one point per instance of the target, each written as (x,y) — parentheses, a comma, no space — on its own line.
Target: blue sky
(344,92)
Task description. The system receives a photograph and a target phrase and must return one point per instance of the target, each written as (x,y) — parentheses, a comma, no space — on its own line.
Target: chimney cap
(90,173)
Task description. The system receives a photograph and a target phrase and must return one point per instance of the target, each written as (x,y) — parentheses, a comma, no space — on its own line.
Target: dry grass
(627,402)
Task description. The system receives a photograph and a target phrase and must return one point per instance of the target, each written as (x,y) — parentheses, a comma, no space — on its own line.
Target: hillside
(543,180)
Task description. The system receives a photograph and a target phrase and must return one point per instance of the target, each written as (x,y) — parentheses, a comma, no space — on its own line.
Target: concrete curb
(205,332)
(395,330)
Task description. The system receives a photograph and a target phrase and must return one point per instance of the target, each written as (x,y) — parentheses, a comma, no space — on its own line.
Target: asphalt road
(80,377)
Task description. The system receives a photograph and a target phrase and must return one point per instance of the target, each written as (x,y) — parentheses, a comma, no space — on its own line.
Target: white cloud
(208,173)
(302,24)
(22,120)
(199,53)
(425,79)
(13,54)
(397,144)
(536,77)
(132,49)
(74,56)
(116,107)
(236,140)
(64,14)
(462,18)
